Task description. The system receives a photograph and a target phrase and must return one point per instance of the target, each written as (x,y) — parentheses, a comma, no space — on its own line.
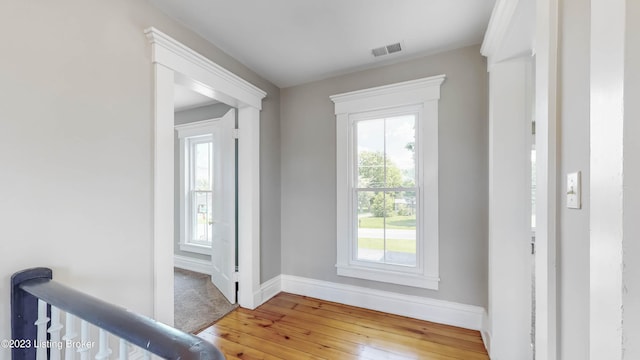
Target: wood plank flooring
(297,327)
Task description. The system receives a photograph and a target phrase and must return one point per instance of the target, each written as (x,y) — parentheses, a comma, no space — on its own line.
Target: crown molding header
(399,94)
(499,23)
(511,31)
(171,53)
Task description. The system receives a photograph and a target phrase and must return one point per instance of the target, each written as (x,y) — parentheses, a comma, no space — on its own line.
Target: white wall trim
(511,31)
(546,81)
(176,63)
(249,207)
(420,97)
(485,332)
(202,127)
(394,95)
(499,23)
(608,320)
(440,311)
(545,50)
(381,275)
(270,288)
(192,264)
(163,201)
(510,209)
(171,52)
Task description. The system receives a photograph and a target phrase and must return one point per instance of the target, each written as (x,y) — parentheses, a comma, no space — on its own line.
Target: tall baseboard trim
(191,264)
(485,332)
(270,288)
(439,311)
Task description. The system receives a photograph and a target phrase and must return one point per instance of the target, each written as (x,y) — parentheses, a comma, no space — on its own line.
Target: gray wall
(270,245)
(573,149)
(309,174)
(76,140)
(184,117)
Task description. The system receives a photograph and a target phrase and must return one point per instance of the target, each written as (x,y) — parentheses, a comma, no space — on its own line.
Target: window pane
(387,227)
(201,215)
(400,142)
(202,166)
(370,226)
(370,143)
(400,229)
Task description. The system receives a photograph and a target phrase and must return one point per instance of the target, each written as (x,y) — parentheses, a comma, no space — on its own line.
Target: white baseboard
(192,264)
(439,311)
(485,332)
(270,288)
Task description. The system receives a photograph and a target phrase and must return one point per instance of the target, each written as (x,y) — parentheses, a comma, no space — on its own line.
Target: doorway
(205,210)
(175,63)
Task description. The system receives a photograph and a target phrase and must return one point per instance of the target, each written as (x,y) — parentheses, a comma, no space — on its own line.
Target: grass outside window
(395,222)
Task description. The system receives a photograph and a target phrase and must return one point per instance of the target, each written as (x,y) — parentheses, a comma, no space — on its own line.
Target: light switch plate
(574,191)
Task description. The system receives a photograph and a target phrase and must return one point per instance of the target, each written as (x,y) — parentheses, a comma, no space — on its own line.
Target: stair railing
(44,325)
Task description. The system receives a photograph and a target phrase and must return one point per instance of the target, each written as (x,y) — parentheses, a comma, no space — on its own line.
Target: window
(384,195)
(196,184)
(387,183)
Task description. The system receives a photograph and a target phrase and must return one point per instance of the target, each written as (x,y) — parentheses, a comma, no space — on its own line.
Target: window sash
(194,217)
(354,120)
(191,192)
(384,264)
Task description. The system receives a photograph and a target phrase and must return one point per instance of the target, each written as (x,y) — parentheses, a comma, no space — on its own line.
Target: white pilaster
(163,188)
(606,215)
(249,206)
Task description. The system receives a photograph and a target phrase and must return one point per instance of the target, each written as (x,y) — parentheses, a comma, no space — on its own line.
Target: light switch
(574,191)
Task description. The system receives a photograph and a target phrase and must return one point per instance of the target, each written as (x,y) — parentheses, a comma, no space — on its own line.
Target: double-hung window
(196,184)
(387,183)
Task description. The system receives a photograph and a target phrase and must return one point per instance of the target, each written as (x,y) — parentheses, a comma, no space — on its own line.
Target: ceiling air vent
(388,49)
(394,48)
(379,51)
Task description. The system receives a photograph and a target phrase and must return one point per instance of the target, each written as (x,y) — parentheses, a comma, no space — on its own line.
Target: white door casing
(510,210)
(546,82)
(522,28)
(223,244)
(173,62)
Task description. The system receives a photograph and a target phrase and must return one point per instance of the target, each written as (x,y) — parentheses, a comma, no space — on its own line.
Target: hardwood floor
(296,327)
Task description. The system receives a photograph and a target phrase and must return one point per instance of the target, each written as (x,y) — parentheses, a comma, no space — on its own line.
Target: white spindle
(84,349)
(147,355)
(103,346)
(41,323)
(69,337)
(54,330)
(124,354)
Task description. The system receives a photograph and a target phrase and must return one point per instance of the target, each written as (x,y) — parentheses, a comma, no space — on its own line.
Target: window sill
(200,249)
(393,277)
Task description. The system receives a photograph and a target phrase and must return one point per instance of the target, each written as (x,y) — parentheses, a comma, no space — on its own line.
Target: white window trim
(198,128)
(425,94)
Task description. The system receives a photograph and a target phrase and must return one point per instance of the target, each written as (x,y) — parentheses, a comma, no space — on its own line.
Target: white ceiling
(290,42)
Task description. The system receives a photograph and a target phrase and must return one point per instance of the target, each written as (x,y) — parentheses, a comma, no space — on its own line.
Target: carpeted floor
(198,303)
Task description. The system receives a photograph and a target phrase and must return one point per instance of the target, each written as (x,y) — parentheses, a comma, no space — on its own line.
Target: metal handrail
(151,335)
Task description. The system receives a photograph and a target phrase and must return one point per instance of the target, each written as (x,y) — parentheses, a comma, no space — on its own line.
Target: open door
(224,206)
